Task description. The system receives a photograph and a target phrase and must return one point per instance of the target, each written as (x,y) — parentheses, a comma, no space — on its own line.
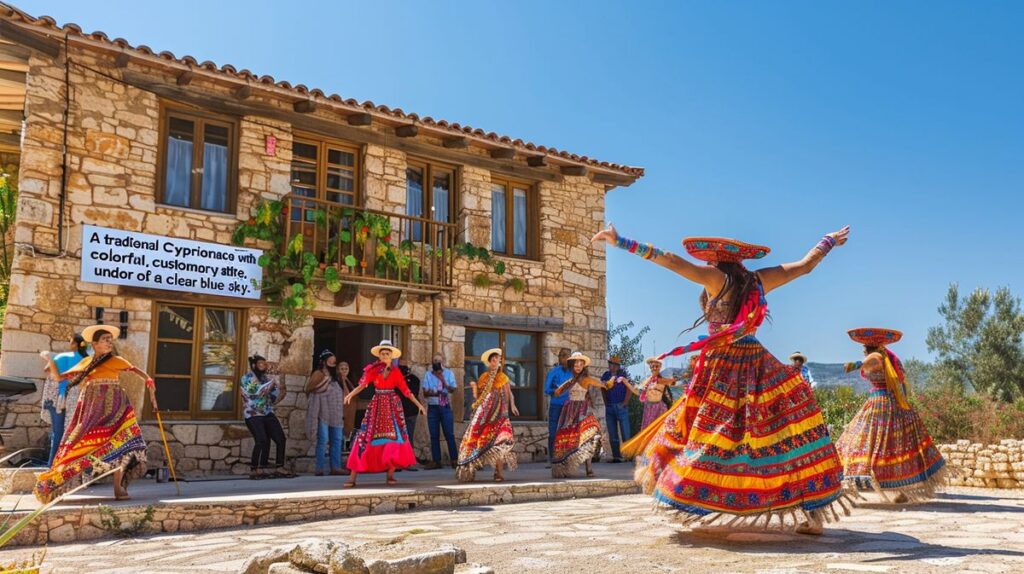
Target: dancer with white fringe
(489,440)
(747,441)
(886,448)
(578,437)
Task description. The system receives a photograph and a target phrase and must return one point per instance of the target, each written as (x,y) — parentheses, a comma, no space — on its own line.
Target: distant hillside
(825,375)
(832,375)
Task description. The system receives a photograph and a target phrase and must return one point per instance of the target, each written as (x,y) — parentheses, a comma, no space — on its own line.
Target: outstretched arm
(775,277)
(710,277)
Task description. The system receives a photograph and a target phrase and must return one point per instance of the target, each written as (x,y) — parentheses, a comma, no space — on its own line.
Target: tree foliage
(980,343)
(628,347)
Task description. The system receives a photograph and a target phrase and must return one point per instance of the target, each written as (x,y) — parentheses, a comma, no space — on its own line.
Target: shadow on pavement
(895,545)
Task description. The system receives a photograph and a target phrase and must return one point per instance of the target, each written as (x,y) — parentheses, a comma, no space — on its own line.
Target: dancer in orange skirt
(886,447)
(489,440)
(103,433)
(747,439)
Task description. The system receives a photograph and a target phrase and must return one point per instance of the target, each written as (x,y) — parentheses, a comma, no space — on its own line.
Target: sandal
(349,484)
(499,478)
(590,473)
(391,482)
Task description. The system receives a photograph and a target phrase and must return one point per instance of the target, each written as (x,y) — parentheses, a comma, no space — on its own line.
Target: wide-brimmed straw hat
(875,336)
(578,356)
(486,357)
(723,249)
(650,360)
(798,355)
(386,344)
(90,331)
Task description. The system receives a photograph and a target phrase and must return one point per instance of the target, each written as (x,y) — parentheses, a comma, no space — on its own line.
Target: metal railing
(371,246)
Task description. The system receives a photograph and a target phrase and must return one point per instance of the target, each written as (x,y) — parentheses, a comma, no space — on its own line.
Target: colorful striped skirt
(103,434)
(489,438)
(382,442)
(887,449)
(577,439)
(747,439)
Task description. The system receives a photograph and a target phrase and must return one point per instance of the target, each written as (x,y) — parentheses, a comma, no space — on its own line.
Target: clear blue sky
(772,122)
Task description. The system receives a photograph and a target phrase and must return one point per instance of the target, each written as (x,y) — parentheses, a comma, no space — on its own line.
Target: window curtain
(414,202)
(519,221)
(498,219)
(215,177)
(179,172)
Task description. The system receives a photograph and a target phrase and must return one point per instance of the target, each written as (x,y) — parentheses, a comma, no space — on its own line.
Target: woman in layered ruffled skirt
(886,447)
(103,433)
(382,441)
(747,439)
(489,440)
(578,436)
(652,393)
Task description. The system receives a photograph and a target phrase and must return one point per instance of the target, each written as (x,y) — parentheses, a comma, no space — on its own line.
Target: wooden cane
(167,451)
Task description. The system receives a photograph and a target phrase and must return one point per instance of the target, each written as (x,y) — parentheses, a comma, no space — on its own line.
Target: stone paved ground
(963,530)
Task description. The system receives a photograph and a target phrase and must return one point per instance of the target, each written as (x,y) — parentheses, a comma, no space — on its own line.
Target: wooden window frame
(532,215)
(200,118)
(539,375)
(428,168)
(195,376)
(322,143)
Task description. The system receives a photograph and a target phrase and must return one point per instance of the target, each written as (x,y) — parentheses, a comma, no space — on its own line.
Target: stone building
(127,139)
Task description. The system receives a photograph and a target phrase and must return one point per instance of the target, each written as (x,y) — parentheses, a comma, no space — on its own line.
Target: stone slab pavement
(962,530)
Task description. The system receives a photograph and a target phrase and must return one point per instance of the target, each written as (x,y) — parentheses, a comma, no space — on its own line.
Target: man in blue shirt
(438,386)
(616,404)
(556,376)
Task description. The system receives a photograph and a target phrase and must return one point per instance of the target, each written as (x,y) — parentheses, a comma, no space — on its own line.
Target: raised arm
(775,277)
(710,277)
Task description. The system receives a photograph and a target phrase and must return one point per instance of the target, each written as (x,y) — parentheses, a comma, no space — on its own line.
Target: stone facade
(985,465)
(112,179)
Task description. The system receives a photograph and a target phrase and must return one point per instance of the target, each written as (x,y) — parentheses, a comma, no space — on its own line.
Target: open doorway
(351,342)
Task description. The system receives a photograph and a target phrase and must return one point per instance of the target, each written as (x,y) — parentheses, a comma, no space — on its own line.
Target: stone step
(19,480)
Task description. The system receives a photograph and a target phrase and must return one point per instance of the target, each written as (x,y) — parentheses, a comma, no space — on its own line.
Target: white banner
(143,260)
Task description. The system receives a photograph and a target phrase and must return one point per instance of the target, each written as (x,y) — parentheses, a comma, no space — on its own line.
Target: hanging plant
(292,275)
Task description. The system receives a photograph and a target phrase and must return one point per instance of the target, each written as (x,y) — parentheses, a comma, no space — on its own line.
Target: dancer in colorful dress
(747,439)
(652,393)
(578,437)
(886,447)
(489,439)
(382,441)
(103,433)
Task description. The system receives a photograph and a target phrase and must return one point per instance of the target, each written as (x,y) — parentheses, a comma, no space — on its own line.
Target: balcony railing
(371,246)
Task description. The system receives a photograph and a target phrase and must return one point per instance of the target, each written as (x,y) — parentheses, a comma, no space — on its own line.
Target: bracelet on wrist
(825,245)
(645,250)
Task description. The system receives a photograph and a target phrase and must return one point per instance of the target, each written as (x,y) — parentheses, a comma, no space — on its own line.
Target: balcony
(372,248)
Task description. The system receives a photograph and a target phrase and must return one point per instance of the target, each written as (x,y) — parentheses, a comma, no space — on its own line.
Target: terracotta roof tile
(50,24)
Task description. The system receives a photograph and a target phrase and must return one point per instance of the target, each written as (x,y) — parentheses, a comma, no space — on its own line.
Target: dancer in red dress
(382,442)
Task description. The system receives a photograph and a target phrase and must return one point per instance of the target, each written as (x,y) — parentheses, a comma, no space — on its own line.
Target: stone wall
(113,146)
(988,466)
